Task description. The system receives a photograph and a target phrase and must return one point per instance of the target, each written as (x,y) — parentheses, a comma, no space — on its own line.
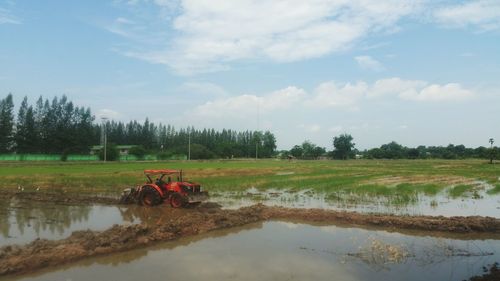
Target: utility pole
(491,141)
(256,150)
(105,138)
(257,140)
(189,143)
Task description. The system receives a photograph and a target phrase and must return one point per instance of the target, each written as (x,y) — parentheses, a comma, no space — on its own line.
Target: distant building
(123,149)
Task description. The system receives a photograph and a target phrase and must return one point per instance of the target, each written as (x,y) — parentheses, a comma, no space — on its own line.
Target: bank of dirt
(176,223)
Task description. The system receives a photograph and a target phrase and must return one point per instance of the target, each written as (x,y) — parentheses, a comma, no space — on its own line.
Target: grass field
(387,177)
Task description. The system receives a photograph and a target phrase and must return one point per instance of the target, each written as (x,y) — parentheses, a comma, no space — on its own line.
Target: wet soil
(430,223)
(491,274)
(171,224)
(58,197)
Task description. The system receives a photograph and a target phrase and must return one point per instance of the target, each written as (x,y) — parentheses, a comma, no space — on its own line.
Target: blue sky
(417,72)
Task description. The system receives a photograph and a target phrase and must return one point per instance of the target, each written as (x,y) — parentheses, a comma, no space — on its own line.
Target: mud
(491,274)
(428,223)
(58,197)
(175,223)
(422,179)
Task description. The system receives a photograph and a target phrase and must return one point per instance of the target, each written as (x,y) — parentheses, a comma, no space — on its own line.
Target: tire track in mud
(176,223)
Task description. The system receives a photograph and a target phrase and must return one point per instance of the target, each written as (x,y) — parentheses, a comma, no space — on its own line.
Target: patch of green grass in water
(495,190)
(427,189)
(459,190)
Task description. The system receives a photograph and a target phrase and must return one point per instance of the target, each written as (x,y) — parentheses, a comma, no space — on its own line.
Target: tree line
(205,143)
(344,148)
(57,126)
(393,150)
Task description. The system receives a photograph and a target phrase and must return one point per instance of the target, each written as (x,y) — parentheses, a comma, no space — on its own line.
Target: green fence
(79,157)
(30,157)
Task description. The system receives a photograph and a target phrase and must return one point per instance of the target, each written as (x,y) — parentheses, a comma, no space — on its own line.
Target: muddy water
(441,204)
(291,251)
(24,221)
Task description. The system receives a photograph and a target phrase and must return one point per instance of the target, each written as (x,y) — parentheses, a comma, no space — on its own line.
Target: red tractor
(168,185)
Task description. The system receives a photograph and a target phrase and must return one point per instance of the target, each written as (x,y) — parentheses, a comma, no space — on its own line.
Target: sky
(416,72)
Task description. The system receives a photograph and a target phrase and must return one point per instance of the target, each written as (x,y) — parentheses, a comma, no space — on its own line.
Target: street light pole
(257,141)
(491,141)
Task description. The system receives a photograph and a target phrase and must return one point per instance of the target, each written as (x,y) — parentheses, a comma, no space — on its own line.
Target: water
(291,251)
(441,204)
(24,221)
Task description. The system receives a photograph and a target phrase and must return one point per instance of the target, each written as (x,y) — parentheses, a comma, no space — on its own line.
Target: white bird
(38,188)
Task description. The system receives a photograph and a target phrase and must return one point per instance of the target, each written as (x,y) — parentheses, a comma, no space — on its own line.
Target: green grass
(495,190)
(460,190)
(355,176)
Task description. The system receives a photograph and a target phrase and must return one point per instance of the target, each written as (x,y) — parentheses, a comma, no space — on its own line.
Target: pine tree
(6,124)
(21,133)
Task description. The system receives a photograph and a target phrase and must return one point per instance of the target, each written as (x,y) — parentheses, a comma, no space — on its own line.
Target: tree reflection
(18,217)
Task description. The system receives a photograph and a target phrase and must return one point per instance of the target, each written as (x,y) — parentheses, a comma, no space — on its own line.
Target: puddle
(24,221)
(442,204)
(290,251)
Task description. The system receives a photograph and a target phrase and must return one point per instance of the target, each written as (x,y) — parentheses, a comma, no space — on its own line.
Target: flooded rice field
(479,203)
(22,221)
(278,250)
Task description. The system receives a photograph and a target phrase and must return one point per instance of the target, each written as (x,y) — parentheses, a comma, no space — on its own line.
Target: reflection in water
(24,221)
(289,251)
(481,204)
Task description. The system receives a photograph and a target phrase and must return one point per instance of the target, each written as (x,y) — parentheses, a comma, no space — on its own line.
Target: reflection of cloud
(289,225)
(329,229)
(267,265)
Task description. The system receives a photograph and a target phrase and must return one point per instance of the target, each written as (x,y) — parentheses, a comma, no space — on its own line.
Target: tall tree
(343,146)
(6,124)
(25,136)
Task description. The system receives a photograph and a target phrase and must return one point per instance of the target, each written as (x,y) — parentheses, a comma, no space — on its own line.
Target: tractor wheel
(149,196)
(177,200)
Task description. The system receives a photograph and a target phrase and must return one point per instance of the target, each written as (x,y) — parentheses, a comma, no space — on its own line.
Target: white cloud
(439,93)
(335,129)
(393,86)
(403,127)
(314,128)
(6,17)
(330,94)
(108,113)
(347,96)
(245,106)
(209,34)
(369,63)
(200,36)
(194,88)
(484,14)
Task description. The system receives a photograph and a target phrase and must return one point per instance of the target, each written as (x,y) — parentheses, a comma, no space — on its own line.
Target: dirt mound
(438,223)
